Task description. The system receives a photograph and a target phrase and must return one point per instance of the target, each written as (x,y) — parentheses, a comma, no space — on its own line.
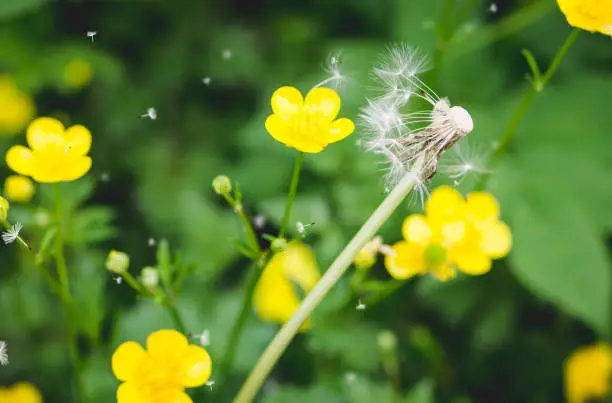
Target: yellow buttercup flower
(55,154)
(16,107)
(19,188)
(4,208)
(276,297)
(77,73)
(162,372)
(588,373)
(310,124)
(20,393)
(590,15)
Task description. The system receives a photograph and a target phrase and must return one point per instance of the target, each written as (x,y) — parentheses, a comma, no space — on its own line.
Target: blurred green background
(497,338)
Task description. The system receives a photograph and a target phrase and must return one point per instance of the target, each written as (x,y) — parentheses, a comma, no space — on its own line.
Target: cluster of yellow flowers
(455,233)
(588,373)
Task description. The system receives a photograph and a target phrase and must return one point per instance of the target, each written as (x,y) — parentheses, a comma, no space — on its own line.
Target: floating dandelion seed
(259,221)
(301,227)
(463,161)
(410,142)
(333,68)
(105,177)
(493,8)
(151,242)
(118,279)
(206,81)
(360,306)
(151,114)
(210,384)
(226,54)
(4,360)
(204,337)
(11,235)
(350,377)
(91,34)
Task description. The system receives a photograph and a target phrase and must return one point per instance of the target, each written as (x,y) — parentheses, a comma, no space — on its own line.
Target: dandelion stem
(292,191)
(313,299)
(528,98)
(236,332)
(62,271)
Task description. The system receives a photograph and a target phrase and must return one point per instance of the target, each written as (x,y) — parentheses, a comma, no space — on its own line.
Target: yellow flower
(162,372)
(590,15)
(276,296)
(55,154)
(16,107)
(4,208)
(588,373)
(19,189)
(366,257)
(307,125)
(77,73)
(22,392)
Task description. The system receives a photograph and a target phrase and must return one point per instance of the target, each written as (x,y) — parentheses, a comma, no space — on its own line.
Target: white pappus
(410,142)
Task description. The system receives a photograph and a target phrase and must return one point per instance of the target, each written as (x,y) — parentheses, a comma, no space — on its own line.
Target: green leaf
(12,8)
(98,379)
(316,394)
(89,295)
(90,225)
(359,389)
(496,325)
(164,264)
(422,392)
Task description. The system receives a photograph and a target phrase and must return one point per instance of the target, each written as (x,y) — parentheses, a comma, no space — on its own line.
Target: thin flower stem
(252,236)
(313,299)
(236,332)
(530,95)
(292,191)
(176,316)
(62,271)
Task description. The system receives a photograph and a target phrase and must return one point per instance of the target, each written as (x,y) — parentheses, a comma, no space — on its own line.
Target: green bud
(387,341)
(149,277)
(117,262)
(278,244)
(222,185)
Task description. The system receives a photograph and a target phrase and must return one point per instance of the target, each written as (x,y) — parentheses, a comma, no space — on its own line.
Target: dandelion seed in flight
(259,221)
(226,54)
(210,384)
(151,114)
(464,161)
(350,377)
(118,279)
(105,177)
(11,235)
(333,68)
(360,306)
(204,337)
(4,360)
(493,8)
(301,227)
(91,34)
(206,81)
(151,242)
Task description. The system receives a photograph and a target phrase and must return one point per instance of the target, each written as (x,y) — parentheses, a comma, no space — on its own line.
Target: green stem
(292,191)
(236,332)
(62,271)
(313,299)
(252,236)
(176,317)
(530,95)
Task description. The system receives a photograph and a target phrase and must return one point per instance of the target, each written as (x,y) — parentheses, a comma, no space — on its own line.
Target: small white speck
(259,221)
(493,8)
(4,360)
(206,81)
(455,183)
(151,242)
(204,338)
(91,34)
(226,54)
(12,234)
(210,384)
(151,114)
(118,279)
(350,377)
(105,177)
(300,227)
(360,306)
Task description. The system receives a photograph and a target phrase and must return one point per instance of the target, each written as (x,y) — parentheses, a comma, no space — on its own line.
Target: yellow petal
(324,102)
(24,392)
(416,229)
(78,139)
(472,261)
(167,343)
(306,145)
(195,367)
(496,240)
(452,232)
(444,272)
(19,159)
(76,169)
(300,265)
(275,297)
(279,130)
(126,359)
(482,206)
(339,129)
(287,101)
(444,204)
(44,131)
(131,392)
(171,396)
(406,261)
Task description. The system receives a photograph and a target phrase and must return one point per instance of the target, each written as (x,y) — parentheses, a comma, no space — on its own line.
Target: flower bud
(117,262)
(19,188)
(4,208)
(149,277)
(387,341)
(222,185)
(278,244)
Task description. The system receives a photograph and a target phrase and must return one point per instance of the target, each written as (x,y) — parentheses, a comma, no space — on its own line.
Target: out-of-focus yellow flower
(366,257)
(453,233)
(310,124)
(117,262)
(590,15)
(55,154)
(77,73)
(20,393)
(16,107)
(588,373)
(19,188)
(276,296)
(162,372)
(4,208)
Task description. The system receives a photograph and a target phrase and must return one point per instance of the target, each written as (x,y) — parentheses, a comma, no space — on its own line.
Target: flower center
(308,123)
(435,254)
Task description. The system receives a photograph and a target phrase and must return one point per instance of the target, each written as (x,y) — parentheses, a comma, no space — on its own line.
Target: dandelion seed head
(4,360)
